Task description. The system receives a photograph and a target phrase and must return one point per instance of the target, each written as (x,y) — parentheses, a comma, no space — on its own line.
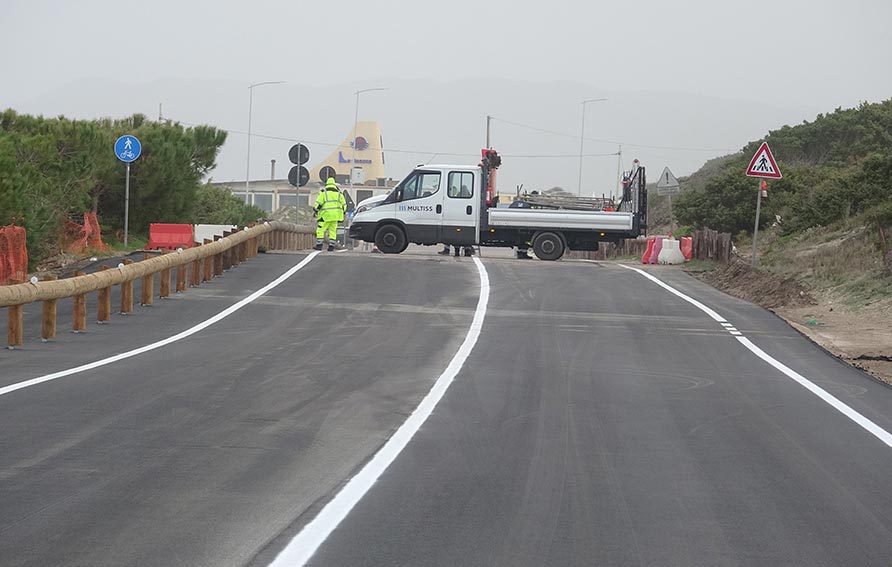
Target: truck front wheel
(548,246)
(390,239)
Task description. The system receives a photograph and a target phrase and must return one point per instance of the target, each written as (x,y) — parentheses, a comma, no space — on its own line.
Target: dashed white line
(164,342)
(300,549)
(834,402)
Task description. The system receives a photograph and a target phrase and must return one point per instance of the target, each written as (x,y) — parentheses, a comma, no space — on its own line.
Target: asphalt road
(598,420)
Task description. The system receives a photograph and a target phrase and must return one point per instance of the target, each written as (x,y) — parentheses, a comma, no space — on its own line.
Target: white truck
(454,205)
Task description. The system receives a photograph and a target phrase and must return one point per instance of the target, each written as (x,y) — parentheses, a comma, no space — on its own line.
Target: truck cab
(433,204)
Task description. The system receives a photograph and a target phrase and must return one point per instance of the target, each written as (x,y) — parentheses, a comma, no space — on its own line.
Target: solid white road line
(300,549)
(671,289)
(843,408)
(847,411)
(188,332)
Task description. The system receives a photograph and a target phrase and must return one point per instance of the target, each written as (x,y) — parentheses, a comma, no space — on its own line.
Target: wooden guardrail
(204,262)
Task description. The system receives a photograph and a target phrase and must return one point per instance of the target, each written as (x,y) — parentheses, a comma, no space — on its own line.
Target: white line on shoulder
(179,336)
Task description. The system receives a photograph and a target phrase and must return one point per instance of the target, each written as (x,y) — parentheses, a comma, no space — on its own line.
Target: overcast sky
(798,55)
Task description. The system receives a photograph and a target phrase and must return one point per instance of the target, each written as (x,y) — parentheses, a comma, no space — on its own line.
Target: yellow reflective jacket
(331,205)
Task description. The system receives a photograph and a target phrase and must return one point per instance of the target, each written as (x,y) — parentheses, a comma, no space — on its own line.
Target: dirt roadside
(862,337)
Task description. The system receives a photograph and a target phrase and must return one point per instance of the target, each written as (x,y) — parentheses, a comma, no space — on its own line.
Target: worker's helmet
(330,184)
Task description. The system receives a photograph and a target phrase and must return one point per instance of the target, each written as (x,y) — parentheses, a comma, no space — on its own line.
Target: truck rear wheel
(390,239)
(548,246)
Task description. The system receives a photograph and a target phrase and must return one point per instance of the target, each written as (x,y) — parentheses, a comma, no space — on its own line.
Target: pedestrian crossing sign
(763,164)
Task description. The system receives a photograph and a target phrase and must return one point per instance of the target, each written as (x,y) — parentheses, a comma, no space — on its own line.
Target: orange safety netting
(86,236)
(13,255)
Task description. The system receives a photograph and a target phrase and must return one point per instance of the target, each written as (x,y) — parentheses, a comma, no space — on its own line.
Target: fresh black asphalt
(599,420)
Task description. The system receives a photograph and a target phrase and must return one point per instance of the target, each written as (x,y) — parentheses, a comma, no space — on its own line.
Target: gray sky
(769,62)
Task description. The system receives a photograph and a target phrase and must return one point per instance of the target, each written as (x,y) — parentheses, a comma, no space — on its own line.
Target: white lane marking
(727,325)
(672,290)
(736,333)
(188,332)
(867,424)
(834,402)
(300,549)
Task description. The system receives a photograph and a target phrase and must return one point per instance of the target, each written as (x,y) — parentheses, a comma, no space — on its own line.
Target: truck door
(458,223)
(418,201)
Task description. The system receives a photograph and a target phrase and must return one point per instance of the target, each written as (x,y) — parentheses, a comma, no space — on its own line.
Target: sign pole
(762,165)
(127,204)
(671,218)
(127,149)
(756,227)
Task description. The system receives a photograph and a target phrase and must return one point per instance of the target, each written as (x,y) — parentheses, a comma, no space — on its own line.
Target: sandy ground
(862,337)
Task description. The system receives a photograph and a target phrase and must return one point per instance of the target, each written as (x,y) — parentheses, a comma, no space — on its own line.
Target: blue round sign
(127,148)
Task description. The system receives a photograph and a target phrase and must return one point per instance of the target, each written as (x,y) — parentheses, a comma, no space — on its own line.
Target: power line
(399,151)
(575,137)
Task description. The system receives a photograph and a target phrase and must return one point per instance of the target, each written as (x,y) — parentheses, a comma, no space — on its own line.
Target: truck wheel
(390,239)
(548,246)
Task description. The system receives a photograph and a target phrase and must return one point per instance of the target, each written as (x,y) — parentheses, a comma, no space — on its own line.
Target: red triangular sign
(763,164)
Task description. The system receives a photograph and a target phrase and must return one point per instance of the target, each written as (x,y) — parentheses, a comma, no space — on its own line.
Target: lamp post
(353,143)
(355,125)
(250,106)
(582,140)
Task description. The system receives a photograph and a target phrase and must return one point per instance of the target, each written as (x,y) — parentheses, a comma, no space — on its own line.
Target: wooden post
(148,286)
(165,279)
(218,259)
(48,328)
(181,278)
(104,311)
(196,271)
(127,293)
(79,321)
(235,258)
(15,335)
(208,265)
(227,254)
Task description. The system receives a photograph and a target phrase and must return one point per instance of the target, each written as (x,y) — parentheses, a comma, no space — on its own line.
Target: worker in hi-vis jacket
(330,208)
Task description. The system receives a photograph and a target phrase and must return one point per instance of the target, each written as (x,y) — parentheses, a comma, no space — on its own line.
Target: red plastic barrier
(170,236)
(655,254)
(645,258)
(687,247)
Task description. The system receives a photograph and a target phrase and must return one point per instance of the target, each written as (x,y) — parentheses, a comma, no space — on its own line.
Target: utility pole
(619,172)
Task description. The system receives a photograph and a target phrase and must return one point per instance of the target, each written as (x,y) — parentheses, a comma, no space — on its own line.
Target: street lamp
(355,124)
(353,143)
(582,140)
(250,105)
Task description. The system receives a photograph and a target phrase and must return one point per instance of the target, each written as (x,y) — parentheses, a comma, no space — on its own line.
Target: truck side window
(461,185)
(423,184)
